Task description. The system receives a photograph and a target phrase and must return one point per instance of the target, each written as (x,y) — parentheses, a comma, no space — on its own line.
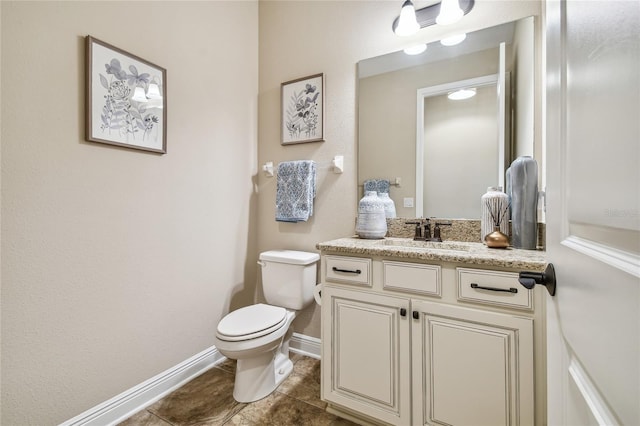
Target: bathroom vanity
(422,333)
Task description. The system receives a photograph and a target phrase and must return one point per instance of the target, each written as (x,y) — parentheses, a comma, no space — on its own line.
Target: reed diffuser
(497,239)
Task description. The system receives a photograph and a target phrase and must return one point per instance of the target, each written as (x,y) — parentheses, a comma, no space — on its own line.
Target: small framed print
(126,99)
(303,110)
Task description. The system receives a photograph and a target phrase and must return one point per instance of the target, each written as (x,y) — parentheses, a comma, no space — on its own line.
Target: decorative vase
(495,212)
(389,205)
(524,203)
(496,239)
(372,222)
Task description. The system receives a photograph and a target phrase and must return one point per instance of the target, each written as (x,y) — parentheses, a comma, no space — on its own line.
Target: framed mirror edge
(535,139)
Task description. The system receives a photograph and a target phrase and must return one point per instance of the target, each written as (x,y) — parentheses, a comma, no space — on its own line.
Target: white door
(593,211)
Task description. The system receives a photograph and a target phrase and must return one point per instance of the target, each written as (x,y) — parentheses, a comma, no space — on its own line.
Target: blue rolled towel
(378,185)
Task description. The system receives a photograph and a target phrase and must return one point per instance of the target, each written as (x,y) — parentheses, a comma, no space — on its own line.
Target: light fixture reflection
(453,40)
(138,95)
(415,50)
(407,24)
(153,92)
(461,94)
(450,12)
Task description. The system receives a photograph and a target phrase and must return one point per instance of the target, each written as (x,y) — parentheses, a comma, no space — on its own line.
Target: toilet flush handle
(261,263)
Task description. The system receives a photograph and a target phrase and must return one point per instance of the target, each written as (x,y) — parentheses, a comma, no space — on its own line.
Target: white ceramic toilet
(258,335)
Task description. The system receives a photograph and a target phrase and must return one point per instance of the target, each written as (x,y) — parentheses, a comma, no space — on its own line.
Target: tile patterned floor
(207,401)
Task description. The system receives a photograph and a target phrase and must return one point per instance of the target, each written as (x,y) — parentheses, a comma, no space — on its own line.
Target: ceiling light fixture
(416,50)
(461,94)
(407,23)
(453,40)
(427,15)
(450,12)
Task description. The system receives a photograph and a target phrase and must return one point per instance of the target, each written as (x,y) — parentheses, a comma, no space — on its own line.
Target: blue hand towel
(296,189)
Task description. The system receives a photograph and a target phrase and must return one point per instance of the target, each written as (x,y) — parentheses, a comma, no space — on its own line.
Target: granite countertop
(447,251)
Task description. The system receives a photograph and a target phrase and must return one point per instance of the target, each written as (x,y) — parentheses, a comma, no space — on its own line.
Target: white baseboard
(137,398)
(305,345)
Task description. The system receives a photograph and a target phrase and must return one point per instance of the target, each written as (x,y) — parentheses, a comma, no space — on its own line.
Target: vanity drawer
(412,277)
(498,288)
(350,270)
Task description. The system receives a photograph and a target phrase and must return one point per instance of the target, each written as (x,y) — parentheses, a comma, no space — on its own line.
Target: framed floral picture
(126,99)
(303,110)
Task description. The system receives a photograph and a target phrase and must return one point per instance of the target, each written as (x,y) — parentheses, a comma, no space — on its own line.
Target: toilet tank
(288,277)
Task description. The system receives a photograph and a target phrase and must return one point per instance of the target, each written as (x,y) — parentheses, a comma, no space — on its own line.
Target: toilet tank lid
(290,256)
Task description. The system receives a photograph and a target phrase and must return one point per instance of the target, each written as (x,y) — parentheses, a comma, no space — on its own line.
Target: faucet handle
(427,229)
(418,231)
(438,224)
(436,230)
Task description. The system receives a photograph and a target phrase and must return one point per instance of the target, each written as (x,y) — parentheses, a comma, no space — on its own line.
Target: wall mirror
(445,153)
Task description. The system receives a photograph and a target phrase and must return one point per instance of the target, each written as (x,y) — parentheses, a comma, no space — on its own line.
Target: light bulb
(407,23)
(453,40)
(450,12)
(461,94)
(415,50)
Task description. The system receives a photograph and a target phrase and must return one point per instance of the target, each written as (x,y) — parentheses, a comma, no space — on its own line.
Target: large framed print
(126,99)
(303,110)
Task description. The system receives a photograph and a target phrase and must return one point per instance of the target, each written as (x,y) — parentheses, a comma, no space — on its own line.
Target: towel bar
(337,165)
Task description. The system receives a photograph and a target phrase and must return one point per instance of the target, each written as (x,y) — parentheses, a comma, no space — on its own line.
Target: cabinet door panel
(366,363)
(473,367)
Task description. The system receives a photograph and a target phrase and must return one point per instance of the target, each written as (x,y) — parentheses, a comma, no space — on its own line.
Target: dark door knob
(403,312)
(546,278)
(416,315)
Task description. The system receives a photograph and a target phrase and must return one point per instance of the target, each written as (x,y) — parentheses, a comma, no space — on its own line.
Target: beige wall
(117,264)
(303,38)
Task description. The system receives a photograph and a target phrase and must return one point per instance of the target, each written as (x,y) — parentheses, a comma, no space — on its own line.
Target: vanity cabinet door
(471,367)
(365,353)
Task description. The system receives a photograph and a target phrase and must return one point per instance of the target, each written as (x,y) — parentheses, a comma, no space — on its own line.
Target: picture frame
(126,99)
(303,110)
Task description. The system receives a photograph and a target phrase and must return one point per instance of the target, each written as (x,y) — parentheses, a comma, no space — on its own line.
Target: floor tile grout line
(161,418)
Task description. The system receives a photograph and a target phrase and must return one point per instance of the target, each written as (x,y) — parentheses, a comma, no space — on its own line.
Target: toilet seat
(251,322)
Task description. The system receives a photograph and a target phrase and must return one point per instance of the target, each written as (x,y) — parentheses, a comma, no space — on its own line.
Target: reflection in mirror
(447,181)
(389,101)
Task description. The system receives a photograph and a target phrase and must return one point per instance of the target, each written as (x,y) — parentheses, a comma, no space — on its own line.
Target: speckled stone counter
(447,251)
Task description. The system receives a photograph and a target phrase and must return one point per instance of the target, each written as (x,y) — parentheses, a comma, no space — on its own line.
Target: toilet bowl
(258,335)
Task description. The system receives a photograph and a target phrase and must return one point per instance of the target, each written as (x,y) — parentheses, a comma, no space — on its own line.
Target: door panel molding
(597,407)
(615,258)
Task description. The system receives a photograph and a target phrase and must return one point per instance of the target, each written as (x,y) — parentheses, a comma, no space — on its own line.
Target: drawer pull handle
(346,271)
(506,290)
